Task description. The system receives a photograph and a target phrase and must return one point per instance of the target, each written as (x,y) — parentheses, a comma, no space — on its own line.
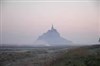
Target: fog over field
(23,21)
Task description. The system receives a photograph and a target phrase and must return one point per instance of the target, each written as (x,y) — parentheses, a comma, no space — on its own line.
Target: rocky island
(51,38)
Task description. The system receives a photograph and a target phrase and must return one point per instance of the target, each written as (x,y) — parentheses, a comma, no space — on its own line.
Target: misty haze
(50,33)
(23,22)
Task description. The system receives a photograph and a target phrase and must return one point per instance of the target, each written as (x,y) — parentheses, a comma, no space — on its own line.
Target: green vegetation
(38,56)
(51,56)
(83,56)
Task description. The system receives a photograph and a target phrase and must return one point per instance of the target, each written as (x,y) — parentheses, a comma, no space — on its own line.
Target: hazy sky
(23,21)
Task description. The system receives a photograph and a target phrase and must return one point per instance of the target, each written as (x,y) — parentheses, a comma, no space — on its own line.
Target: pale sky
(23,21)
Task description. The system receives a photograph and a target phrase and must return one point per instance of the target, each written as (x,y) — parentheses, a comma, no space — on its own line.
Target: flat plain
(50,56)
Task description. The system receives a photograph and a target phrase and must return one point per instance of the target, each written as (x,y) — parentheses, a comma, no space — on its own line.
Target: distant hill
(52,37)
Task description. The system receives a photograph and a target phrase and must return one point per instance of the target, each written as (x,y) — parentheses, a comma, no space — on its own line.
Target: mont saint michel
(51,38)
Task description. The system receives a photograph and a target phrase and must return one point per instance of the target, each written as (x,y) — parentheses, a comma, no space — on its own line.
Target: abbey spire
(52,28)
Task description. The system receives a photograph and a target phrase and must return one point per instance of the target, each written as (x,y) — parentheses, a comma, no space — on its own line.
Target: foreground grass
(40,56)
(83,56)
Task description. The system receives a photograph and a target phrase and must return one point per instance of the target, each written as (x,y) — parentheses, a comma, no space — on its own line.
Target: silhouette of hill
(52,37)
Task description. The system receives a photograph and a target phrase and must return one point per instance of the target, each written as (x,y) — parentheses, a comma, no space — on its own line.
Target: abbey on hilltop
(51,38)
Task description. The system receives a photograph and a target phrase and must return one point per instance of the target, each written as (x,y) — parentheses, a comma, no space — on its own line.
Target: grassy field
(82,56)
(51,56)
(36,56)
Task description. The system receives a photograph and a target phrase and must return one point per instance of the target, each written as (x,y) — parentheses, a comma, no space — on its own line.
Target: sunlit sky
(22,21)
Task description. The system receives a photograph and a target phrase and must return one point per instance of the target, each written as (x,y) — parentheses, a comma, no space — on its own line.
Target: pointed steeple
(52,27)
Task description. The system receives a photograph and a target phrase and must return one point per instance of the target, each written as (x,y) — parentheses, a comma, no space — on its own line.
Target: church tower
(52,28)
